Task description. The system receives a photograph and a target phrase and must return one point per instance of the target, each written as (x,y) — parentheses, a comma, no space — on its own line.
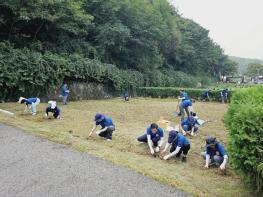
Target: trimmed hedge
(244,120)
(173,92)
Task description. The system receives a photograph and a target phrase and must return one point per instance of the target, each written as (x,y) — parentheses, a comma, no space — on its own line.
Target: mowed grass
(131,119)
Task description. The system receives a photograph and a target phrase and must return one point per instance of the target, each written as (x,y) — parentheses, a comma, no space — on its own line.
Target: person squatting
(107,126)
(177,143)
(53,108)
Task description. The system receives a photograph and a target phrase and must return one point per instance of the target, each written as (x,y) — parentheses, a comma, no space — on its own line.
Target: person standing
(185,106)
(65,93)
(206,95)
(183,95)
(224,95)
(31,104)
(154,137)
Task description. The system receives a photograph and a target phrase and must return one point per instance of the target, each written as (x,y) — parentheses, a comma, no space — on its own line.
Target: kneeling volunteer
(215,154)
(154,137)
(53,108)
(107,126)
(179,144)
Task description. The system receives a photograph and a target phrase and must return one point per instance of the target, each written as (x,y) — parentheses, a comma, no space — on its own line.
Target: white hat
(20,99)
(176,128)
(170,128)
(53,105)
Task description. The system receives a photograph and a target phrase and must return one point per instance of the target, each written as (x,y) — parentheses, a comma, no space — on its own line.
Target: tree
(254,69)
(145,37)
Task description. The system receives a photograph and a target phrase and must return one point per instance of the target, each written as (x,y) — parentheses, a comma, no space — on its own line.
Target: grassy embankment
(131,119)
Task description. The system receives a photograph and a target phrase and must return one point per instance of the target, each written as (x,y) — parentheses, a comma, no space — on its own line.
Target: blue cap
(210,141)
(172,135)
(191,119)
(99,117)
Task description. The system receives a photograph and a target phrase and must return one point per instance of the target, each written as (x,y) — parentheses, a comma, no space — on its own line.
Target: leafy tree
(254,69)
(145,37)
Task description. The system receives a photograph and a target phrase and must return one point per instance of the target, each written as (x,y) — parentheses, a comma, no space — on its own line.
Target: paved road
(32,166)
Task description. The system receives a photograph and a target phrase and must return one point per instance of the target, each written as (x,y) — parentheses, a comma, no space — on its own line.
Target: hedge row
(244,120)
(173,92)
(25,72)
(30,73)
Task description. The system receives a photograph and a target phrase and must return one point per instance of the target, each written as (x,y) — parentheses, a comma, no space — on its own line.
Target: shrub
(165,92)
(26,72)
(244,120)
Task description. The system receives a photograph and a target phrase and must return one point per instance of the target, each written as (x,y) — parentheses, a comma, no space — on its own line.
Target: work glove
(166,157)
(97,132)
(90,134)
(157,149)
(222,167)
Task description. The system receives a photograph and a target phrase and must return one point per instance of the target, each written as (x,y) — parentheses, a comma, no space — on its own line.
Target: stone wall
(83,91)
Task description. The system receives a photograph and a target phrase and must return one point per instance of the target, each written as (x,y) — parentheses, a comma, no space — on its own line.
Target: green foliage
(172,92)
(244,121)
(254,69)
(244,62)
(148,37)
(33,73)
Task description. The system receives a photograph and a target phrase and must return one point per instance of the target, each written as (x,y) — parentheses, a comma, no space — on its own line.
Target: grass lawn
(131,119)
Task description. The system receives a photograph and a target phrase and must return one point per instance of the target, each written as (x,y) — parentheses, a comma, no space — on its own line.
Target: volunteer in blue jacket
(224,95)
(179,144)
(183,95)
(185,106)
(31,104)
(107,126)
(126,96)
(189,125)
(206,95)
(53,108)
(154,137)
(215,154)
(65,93)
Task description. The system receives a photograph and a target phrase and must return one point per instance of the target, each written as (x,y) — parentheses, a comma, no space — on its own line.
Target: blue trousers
(65,100)
(143,138)
(215,160)
(187,128)
(182,110)
(108,133)
(183,150)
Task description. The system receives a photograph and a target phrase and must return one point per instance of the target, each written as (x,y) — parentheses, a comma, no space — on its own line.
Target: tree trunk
(38,29)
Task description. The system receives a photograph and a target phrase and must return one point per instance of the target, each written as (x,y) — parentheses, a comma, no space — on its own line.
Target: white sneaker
(108,140)
(33,114)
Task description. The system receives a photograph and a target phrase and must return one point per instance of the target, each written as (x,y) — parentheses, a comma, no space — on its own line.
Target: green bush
(26,72)
(173,92)
(244,120)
